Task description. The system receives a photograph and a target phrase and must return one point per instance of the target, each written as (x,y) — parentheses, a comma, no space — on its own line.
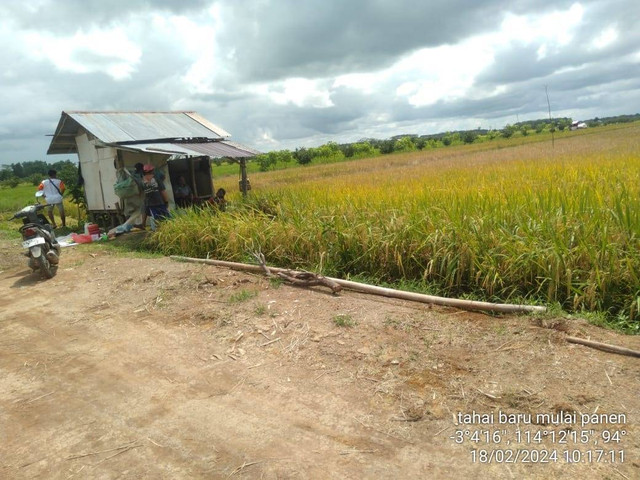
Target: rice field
(526,223)
(13,199)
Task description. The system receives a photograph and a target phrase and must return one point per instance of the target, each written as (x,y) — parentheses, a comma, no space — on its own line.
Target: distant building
(577,125)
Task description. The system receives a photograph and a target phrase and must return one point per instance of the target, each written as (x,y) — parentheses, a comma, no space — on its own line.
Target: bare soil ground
(125,367)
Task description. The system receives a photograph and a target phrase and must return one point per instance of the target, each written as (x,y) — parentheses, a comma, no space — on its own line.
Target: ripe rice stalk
(518,223)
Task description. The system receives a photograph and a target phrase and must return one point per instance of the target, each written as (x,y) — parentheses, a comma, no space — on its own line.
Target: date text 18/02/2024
(533,438)
(542,456)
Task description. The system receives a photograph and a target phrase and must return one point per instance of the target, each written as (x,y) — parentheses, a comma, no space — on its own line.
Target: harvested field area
(123,367)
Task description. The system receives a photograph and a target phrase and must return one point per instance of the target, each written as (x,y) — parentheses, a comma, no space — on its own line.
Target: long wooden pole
(604,347)
(386,292)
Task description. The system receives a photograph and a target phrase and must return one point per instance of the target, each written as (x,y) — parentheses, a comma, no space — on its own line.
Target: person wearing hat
(53,188)
(156,200)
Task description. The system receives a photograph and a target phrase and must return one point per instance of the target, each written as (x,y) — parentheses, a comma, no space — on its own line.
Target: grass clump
(342,320)
(242,296)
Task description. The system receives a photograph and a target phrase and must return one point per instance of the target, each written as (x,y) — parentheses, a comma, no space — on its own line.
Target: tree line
(370,147)
(37,170)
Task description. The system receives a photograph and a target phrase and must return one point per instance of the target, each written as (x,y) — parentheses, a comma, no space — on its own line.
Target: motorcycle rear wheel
(46,269)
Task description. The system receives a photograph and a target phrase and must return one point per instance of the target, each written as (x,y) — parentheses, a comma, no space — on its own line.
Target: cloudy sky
(290,73)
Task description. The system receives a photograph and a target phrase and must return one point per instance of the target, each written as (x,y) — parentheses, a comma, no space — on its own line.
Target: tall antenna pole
(553,129)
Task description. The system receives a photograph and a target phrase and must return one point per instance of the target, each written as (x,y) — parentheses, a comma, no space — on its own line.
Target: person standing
(156,200)
(53,188)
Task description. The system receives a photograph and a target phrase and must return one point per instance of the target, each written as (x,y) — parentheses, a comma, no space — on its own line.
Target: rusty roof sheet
(125,127)
(221,149)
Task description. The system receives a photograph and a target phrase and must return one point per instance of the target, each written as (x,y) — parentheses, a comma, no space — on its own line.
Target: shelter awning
(219,149)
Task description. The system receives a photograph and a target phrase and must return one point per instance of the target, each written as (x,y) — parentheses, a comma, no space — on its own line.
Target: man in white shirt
(53,189)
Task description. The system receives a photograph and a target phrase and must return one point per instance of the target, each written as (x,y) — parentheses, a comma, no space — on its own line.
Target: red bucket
(92,229)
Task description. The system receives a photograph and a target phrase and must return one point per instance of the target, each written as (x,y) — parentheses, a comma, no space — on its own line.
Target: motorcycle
(40,240)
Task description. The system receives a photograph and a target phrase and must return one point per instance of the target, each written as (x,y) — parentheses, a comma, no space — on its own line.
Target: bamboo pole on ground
(386,292)
(604,347)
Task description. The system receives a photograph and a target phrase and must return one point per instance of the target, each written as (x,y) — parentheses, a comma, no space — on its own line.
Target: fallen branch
(308,279)
(259,256)
(385,292)
(156,444)
(300,279)
(325,372)
(243,466)
(488,395)
(269,342)
(604,347)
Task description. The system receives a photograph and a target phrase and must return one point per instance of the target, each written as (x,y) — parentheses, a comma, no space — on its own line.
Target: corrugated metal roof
(135,126)
(243,147)
(211,149)
(123,127)
(220,149)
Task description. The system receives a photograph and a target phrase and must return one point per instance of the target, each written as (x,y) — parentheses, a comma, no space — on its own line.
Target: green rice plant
(13,199)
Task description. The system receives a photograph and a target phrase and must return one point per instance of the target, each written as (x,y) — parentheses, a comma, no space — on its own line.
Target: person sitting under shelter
(219,199)
(182,193)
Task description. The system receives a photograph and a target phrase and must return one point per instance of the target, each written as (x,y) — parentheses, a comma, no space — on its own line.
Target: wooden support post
(243,177)
(192,171)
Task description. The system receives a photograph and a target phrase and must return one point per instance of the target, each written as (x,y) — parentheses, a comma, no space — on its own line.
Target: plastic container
(91,229)
(80,238)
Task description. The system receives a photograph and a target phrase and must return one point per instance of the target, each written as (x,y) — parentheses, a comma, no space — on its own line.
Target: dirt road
(124,367)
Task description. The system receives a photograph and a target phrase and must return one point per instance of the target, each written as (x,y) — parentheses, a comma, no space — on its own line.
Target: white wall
(98,173)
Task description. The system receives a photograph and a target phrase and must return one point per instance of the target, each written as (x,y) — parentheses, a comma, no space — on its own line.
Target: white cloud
(364,82)
(427,75)
(202,55)
(301,92)
(555,28)
(266,138)
(606,38)
(115,54)
(442,73)
(197,38)
(448,72)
